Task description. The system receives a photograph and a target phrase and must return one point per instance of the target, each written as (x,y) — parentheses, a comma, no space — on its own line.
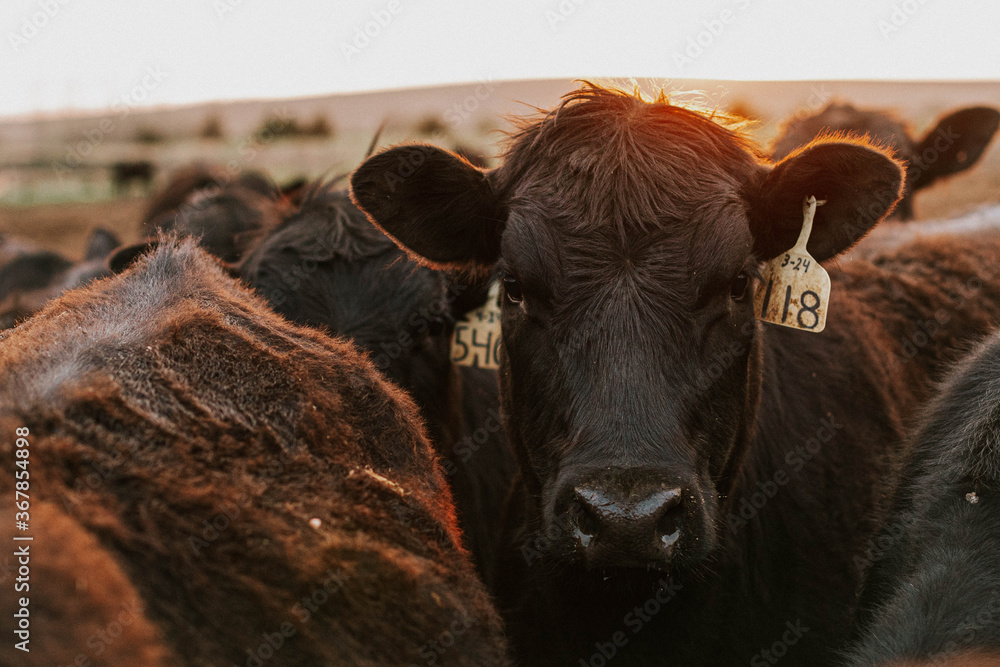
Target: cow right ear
(123,258)
(436,206)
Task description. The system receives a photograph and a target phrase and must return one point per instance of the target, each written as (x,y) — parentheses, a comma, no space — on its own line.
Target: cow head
(326,266)
(627,235)
(955,143)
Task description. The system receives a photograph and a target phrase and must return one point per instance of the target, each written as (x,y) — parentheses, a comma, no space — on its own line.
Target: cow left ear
(859,183)
(953,145)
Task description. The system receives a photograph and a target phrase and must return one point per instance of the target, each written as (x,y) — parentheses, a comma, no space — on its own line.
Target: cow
(954,144)
(224,211)
(32,277)
(933,592)
(126,172)
(222,487)
(695,484)
(326,266)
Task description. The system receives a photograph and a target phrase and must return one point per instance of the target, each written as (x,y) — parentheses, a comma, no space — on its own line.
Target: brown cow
(211,485)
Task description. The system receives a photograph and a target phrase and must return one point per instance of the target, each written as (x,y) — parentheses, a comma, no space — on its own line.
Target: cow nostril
(587,523)
(668,528)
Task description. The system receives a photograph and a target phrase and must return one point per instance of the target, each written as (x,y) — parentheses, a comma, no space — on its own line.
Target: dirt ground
(65,227)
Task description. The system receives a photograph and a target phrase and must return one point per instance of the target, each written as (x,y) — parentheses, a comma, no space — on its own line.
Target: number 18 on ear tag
(795,291)
(476,339)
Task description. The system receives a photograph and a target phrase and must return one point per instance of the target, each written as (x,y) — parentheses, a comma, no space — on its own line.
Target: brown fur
(169,399)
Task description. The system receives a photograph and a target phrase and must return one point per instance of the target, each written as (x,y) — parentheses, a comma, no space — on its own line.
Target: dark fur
(934,589)
(225,212)
(954,144)
(328,267)
(30,280)
(634,363)
(124,173)
(168,399)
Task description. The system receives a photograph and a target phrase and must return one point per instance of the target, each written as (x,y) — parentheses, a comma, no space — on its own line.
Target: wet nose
(634,530)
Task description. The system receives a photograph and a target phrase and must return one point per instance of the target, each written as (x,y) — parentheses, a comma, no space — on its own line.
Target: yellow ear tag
(476,339)
(795,291)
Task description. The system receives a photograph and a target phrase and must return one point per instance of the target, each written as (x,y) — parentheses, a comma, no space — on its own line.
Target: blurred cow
(933,593)
(954,144)
(30,277)
(223,211)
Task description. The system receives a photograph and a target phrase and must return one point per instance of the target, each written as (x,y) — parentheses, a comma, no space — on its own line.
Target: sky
(57,55)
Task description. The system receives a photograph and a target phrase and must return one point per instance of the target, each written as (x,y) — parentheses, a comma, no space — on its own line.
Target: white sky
(90,53)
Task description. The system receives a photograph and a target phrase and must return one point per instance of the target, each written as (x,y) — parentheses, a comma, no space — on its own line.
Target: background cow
(933,593)
(327,266)
(30,278)
(224,211)
(954,144)
(696,485)
(251,491)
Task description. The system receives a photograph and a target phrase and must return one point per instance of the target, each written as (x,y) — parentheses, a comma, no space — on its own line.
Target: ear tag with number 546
(476,339)
(795,291)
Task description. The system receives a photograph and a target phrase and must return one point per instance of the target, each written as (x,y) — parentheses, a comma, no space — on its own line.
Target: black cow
(953,145)
(696,485)
(32,278)
(209,484)
(224,211)
(126,172)
(327,266)
(933,593)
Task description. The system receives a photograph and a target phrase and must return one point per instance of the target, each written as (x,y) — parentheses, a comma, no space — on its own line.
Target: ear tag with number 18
(795,291)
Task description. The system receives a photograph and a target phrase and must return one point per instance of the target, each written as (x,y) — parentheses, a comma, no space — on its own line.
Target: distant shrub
(431,126)
(148,135)
(212,129)
(279,127)
(319,127)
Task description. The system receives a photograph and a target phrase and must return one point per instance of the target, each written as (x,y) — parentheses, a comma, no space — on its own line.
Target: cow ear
(859,183)
(123,258)
(100,244)
(439,208)
(953,145)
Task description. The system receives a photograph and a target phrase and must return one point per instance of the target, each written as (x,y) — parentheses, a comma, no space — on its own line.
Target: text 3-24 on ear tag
(795,291)
(476,339)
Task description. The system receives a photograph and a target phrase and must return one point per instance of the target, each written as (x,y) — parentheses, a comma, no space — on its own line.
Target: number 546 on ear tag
(795,291)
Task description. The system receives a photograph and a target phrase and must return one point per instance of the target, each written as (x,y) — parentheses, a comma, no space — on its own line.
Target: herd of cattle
(246,443)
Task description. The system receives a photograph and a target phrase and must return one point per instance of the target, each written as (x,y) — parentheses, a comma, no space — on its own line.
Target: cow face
(627,235)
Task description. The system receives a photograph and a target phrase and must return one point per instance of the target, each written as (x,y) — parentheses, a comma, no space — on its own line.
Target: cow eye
(513,290)
(738,290)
